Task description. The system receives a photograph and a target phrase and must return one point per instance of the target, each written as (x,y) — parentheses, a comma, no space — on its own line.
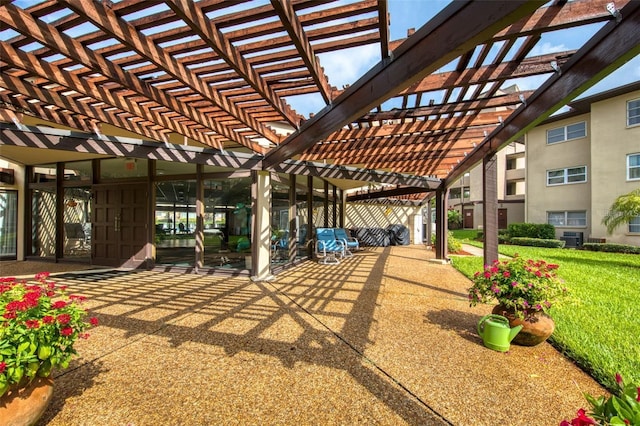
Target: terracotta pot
(535,329)
(24,406)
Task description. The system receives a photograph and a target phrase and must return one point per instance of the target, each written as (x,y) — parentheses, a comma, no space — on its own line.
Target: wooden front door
(502,218)
(120,225)
(467,221)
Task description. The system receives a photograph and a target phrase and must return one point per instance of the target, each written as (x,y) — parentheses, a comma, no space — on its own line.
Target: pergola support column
(261,238)
(490,208)
(441,223)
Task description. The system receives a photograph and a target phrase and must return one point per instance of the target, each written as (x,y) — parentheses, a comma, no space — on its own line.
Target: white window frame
(565,176)
(565,220)
(565,130)
(629,167)
(634,225)
(636,113)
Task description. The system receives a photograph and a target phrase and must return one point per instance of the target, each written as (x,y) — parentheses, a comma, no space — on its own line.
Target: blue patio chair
(351,244)
(327,246)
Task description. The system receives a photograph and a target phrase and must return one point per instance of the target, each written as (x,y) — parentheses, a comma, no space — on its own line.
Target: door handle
(116,223)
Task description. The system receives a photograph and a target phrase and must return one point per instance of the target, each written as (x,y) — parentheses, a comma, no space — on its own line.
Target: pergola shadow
(314,314)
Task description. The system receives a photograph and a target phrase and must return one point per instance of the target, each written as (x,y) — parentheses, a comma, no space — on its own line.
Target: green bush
(611,248)
(532,230)
(537,242)
(453,245)
(504,239)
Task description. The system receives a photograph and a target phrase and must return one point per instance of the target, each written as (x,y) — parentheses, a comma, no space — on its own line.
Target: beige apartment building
(578,162)
(466,195)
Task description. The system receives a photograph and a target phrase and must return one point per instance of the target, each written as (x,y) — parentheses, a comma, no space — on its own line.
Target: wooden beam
(294,28)
(383,18)
(18,85)
(68,46)
(448,108)
(70,80)
(106,19)
(192,14)
(448,35)
(612,46)
(46,138)
(329,171)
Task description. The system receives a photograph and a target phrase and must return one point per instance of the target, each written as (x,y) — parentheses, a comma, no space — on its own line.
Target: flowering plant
(39,324)
(623,409)
(522,285)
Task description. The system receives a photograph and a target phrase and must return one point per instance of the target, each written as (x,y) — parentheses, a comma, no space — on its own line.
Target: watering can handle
(495,317)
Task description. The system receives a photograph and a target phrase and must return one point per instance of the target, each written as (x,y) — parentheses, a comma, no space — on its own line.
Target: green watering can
(496,333)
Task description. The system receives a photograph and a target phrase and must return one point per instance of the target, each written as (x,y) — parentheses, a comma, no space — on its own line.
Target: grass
(465,234)
(599,328)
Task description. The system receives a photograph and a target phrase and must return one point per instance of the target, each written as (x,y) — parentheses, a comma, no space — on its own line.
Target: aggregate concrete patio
(383,338)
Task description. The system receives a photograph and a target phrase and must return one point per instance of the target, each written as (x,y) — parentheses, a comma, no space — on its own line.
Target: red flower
(59,304)
(9,315)
(16,305)
(582,419)
(67,331)
(618,378)
(75,297)
(3,366)
(638,397)
(42,275)
(32,323)
(48,319)
(63,318)
(93,321)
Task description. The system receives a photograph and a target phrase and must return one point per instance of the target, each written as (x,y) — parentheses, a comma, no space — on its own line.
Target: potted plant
(39,325)
(525,290)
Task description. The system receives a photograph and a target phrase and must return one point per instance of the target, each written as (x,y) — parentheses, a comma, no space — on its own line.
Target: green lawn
(465,234)
(599,327)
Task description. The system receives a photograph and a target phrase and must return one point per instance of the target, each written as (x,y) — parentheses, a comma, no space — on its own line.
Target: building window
(633,112)
(466,192)
(567,219)
(565,133)
(454,193)
(568,175)
(634,225)
(633,166)
(512,163)
(511,188)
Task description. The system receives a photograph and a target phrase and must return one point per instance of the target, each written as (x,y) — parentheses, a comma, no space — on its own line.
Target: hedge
(537,242)
(532,230)
(610,247)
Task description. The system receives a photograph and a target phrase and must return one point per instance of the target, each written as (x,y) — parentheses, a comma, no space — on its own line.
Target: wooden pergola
(217,74)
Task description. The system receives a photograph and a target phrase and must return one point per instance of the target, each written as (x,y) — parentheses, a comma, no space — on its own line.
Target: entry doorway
(120,225)
(467,222)
(502,218)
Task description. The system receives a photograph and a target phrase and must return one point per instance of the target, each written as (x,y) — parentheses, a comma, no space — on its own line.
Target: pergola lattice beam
(68,46)
(607,50)
(294,28)
(106,19)
(191,13)
(447,36)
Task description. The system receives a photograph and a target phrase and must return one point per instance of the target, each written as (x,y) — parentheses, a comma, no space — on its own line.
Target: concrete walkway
(383,338)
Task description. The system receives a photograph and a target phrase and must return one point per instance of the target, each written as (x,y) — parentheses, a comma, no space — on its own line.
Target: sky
(347,66)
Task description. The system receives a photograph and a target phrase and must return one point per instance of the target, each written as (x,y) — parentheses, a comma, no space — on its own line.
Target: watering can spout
(515,330)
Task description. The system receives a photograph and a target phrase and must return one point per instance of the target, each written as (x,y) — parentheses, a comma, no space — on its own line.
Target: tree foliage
(623,209)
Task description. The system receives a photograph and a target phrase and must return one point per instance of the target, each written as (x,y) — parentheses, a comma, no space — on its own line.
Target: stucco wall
(541,157)
(612,142)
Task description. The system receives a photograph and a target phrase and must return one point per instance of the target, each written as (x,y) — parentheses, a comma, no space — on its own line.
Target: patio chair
(351,244)
(327,246)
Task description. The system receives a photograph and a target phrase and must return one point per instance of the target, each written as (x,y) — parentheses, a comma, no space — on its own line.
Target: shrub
(532,230)
(537,242)
(453,245)
(612,248)
(454,219)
